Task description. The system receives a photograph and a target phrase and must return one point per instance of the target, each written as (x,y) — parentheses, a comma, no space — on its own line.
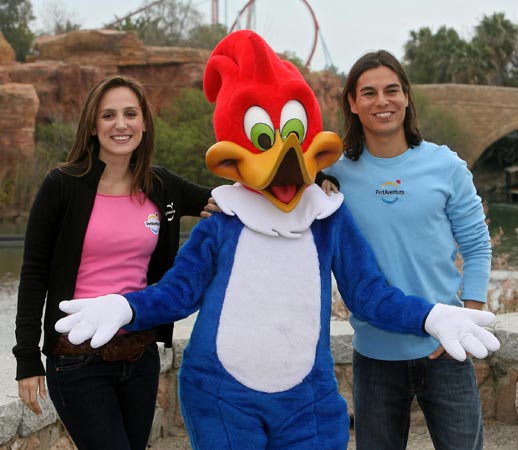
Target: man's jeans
(445,389)
(105,405)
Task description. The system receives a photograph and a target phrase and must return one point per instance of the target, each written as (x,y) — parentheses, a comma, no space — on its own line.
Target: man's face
(380,103)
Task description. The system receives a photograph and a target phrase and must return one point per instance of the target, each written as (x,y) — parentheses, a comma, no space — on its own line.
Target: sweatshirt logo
(390,191)
(153,223)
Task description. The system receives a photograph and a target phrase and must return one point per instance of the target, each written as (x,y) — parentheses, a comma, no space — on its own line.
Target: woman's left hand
(28,390)
(209,208)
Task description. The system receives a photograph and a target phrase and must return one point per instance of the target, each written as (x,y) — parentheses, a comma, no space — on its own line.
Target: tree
(57,19)
(437,124)
(513,71)
(15,16)
(168,23)
(498,38)
(501,153)
(206,36)
(184,132)
(472,65)
(491,57)
(431,58)
(294,59)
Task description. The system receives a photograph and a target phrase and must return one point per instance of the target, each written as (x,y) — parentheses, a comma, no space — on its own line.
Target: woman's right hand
(28,390)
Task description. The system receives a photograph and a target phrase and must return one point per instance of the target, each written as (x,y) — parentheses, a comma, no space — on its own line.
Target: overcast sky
(348,29)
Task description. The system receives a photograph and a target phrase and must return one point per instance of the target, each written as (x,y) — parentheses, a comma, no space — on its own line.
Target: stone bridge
(485,113)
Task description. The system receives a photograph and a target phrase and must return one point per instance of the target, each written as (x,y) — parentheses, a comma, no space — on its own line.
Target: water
(10,263)
(505,215)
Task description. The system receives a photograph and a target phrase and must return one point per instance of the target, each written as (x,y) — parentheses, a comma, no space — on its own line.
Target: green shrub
(20,186)
(437,124)
(184,133)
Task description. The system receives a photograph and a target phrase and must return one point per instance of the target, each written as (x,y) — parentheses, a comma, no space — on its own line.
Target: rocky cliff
(19,105)
(7,54)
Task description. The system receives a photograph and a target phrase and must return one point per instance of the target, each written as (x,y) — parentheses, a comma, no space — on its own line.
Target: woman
(103,221)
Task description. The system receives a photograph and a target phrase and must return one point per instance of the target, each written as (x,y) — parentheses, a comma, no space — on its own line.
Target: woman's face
(119,124)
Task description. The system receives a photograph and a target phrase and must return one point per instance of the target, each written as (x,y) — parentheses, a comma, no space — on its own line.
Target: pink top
(121,236)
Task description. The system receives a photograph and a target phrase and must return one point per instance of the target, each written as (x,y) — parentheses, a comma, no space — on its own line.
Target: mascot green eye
(262,136)
(294,120)
(293,126)
(259,128)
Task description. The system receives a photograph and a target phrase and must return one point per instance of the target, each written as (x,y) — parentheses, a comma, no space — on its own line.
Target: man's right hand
(328,186)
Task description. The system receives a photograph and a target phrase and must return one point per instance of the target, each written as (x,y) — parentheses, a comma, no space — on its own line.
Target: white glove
(98,318)
(460,330)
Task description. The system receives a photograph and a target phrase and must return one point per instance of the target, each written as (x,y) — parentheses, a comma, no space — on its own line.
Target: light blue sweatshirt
(416,210)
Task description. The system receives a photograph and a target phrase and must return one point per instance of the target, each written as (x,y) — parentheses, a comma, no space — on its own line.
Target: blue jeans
(105,405)
(445,389)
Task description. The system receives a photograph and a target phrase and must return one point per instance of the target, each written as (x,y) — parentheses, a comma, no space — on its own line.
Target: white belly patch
(270,320)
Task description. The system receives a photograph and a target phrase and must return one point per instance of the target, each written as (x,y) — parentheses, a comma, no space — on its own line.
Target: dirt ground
(497,436)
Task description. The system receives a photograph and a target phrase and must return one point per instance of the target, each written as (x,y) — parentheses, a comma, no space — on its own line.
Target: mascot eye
(262,136)
(293,126)
(294,120)
(259,128)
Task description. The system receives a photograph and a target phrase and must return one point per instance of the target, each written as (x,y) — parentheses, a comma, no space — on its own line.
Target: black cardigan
(53,245)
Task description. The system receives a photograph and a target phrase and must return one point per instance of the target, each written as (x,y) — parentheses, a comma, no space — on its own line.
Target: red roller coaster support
(215,12)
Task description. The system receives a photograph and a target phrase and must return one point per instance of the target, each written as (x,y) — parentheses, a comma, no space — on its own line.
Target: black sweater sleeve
(40,239)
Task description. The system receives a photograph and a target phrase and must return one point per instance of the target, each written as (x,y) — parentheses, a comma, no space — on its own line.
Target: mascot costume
(258,370)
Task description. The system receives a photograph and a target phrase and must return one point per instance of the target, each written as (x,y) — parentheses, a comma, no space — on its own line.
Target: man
(416,204)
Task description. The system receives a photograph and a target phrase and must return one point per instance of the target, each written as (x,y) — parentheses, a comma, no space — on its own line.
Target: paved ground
(496,437)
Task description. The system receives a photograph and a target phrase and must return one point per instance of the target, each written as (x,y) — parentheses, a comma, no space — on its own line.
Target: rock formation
(7,54)
(19,104)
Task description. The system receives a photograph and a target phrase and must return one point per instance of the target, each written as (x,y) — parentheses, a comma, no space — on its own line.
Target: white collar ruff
(260,215)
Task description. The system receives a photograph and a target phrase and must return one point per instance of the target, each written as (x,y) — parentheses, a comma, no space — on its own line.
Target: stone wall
(497,378)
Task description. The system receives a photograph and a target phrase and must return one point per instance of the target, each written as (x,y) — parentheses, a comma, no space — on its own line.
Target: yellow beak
(281,173)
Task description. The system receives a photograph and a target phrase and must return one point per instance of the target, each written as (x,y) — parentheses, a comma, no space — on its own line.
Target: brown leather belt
(122,347)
